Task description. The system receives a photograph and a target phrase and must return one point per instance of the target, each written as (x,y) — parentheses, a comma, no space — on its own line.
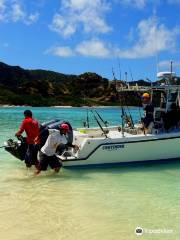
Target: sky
(133,38)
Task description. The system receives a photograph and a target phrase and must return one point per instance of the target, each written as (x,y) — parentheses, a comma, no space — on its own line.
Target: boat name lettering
(113,147)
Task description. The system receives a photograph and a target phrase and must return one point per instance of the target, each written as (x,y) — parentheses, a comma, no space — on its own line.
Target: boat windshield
(159,99)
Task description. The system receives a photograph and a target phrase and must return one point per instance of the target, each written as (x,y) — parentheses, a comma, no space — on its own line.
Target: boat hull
(124,150)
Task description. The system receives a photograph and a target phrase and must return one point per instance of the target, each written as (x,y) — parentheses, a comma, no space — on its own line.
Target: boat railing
(133,88)
(147,88)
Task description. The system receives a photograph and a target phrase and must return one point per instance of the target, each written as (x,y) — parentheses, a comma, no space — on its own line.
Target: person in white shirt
(47,155)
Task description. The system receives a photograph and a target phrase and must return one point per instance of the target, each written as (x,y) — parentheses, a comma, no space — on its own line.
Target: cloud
(60,51)
(81,15)
(167,63)
(93,48)
(151,39)
(62,26)
(141,4)
(134,3)
(14,11)
(173,1)
(17,12)
(2,10)
(32,18)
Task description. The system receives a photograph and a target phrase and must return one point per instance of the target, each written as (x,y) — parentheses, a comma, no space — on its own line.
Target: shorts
(31,155)
(45,161)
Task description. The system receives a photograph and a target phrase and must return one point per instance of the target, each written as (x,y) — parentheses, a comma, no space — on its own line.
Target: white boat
(130,144)
(125,143)
(118,149)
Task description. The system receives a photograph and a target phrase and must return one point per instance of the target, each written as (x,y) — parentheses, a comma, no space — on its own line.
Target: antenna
(149,82)
(119,70)
(126,77)
(122,109)
(114,78)
(131,75)
(155,39)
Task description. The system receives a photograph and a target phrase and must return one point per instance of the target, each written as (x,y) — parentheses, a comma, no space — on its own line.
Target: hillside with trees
(47,88)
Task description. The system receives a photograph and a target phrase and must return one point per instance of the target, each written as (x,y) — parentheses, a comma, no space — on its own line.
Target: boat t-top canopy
(165,74)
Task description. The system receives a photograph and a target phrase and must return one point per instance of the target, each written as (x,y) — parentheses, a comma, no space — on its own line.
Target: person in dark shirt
(31,127)
(171,117)
(148,110)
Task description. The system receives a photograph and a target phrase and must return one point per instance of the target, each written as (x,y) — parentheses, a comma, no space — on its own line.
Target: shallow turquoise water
(89,203)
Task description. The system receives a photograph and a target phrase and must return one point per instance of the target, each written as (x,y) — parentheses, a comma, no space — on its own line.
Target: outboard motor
(43,130)
(17,148)
(53,125)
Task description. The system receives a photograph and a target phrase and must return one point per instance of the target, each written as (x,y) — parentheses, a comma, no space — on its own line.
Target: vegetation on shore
(47,88)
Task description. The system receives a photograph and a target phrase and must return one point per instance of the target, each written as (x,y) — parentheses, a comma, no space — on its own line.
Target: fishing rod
(87,118)
(123,95)
(131,119)
(128,118)
(105,122)
(151,87)
(119,69)
(86,122)
(122,109)
(131,74)
(99,124)
(144,131)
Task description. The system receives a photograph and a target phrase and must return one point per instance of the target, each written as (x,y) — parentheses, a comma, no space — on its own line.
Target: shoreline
(9,106)
(66,106)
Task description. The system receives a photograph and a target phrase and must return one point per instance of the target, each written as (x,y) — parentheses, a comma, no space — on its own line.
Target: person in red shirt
(31,127)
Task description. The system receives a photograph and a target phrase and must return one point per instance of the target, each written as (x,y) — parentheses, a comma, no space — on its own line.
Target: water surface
(87,203)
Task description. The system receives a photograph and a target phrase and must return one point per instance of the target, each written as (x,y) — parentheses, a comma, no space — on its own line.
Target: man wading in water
(31,127)
(47,155)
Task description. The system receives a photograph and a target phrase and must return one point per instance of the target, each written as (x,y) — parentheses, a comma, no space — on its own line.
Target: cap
(64,127)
